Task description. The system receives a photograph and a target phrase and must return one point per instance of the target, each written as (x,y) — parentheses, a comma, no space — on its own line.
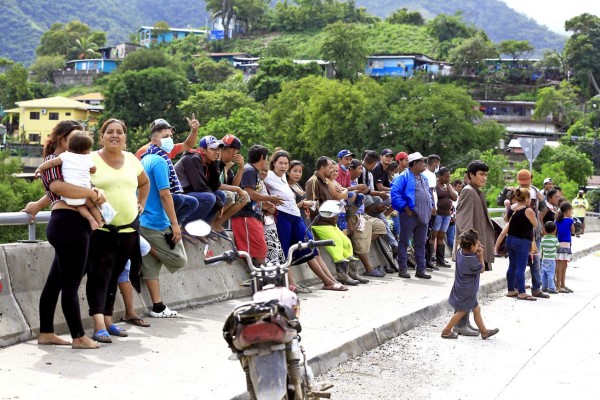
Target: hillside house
(404,65)
(237,27)
(119,51)
(38,117)
(148,35)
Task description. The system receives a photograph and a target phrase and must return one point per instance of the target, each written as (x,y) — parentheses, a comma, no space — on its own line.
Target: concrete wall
(24,268)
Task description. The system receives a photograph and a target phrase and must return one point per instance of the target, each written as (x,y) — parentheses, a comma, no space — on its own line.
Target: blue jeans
(536,275)
(450,235)
(412,227)
(518,253)
(206,206)
(548,269)
(184,206)
(396,224)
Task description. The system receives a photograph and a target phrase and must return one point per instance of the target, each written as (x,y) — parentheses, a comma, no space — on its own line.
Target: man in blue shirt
(158,222)
(412,199)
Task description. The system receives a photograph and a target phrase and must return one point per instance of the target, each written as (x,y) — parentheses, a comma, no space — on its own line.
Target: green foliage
(560,103)
(44,67)
(515,48)
(470,55)
(579,166)
(209,73)
(498,164)
(148,58)
(208,105)
(449,31)
(273,72)
(245,123)
(251,11)
(14,86)
(73,40)
(345,45)
(581,50)
(15,194)
(139,97)
(405,17)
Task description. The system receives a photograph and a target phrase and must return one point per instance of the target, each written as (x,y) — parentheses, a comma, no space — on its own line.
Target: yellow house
(38,117)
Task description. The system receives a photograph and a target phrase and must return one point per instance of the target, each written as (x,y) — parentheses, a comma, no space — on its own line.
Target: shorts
(233,197)
(249,236)
(361,241)
(172,259)
(564,252)
(441,223)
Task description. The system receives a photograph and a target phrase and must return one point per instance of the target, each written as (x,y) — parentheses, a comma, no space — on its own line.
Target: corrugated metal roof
(55,102)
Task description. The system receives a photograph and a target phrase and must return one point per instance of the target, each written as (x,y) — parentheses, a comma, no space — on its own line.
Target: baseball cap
(415,156)
(231,141)
(210,142)
(386,152)
(524,176)
(160,124)
(547,180)
(401,156)
(581,191)
(345,153)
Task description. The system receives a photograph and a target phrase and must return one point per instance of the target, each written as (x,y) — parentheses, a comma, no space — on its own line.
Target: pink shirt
(343,176)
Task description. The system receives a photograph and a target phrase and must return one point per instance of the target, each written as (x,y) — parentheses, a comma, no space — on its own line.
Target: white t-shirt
(76,171)
(278,186)
(431,178)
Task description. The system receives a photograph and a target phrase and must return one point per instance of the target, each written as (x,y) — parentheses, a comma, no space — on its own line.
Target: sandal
(102,336)
(303,289)
(451,335)
(526,297)
(189,238)
(293,288)
(563,290)
(512,293)
(338,287)
(114,330)
(137,321)
(568,290)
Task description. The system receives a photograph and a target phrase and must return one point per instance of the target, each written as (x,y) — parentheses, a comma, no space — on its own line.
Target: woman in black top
(519,234)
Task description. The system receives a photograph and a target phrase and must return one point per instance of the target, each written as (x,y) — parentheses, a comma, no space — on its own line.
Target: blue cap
(345,153)
(210,142)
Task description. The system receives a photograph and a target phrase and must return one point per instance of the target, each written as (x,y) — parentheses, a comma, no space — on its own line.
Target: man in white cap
(548,185)
(412,199)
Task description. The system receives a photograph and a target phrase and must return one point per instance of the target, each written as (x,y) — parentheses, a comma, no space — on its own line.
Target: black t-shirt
(228,179)
(251,179)
(380,175)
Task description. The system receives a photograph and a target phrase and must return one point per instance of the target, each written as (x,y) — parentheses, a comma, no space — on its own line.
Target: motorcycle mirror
(198,228)
(331,208)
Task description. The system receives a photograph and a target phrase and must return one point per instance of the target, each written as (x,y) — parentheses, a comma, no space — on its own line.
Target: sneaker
(166,313)
(545,290)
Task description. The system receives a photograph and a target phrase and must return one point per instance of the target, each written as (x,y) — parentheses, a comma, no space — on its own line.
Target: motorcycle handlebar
(212,260)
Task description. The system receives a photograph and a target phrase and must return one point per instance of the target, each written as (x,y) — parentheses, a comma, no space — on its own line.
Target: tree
(14,86)
(345,45)
(560,103)
(44,67)
(273,72)
(160,28)
(471,54)
(148,58)
(209,73)
(139,97)
(403,16)
(250,11)
(579,166)
(515,48)
(208,105)
(86,48)
(449,31)
(61,39)
(582,48)
(245,123)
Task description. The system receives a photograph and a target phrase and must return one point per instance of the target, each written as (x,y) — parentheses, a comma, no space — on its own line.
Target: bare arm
(143,190)
(501,238)
(336,191)
(192,138)
(166,200)
(33,207)
(531,217)
(55,162)
(255,196)
(381,188)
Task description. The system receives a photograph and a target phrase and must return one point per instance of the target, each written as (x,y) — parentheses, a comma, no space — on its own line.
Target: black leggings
(109,253)
(69,233)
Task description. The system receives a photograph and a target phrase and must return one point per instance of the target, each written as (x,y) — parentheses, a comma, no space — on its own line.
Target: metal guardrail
(23,218)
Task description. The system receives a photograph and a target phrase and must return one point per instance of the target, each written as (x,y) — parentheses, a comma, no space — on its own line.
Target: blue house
(404,65)
(96,65)
(148,36)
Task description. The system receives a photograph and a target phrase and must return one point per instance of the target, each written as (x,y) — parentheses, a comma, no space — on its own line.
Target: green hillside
(23,22)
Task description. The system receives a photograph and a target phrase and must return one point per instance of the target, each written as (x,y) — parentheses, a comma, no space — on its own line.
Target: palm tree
(85,47)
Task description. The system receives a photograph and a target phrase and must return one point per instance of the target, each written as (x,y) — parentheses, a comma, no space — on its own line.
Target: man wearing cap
(184,205)
(580,206)
(344,159)
(158,222)
(433,165)
(548,185)
(537,204)
(412,199)
(402,160)
(356,193)
(230,156)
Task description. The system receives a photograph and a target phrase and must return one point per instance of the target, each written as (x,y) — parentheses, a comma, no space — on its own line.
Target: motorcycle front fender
(268,372)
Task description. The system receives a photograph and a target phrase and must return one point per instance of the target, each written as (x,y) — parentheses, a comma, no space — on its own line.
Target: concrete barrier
(24,268)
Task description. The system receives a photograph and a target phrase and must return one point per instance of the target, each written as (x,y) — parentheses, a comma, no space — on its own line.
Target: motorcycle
(264,333)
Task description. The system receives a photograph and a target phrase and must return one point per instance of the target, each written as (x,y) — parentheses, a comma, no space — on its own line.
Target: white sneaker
(166,313)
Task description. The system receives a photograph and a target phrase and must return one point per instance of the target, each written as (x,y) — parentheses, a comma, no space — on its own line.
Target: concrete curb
(377,336)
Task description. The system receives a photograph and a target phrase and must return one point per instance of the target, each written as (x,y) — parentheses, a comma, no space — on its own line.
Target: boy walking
(549,248)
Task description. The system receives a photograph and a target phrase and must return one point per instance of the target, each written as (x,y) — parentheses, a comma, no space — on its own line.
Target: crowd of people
(124,217)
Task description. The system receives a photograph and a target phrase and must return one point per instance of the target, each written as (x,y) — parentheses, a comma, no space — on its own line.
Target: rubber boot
(342,274)
(428,254)
(353,272)
(440,254)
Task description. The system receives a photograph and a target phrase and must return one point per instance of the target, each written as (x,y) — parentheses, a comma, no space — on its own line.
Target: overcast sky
(554,13)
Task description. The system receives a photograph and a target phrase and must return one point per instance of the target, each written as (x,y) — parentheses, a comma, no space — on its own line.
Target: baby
(77,165)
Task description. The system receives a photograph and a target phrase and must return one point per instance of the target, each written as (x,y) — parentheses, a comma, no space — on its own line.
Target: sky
(554,13)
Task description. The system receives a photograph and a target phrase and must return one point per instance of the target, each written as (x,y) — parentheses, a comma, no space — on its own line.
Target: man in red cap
(402,160)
